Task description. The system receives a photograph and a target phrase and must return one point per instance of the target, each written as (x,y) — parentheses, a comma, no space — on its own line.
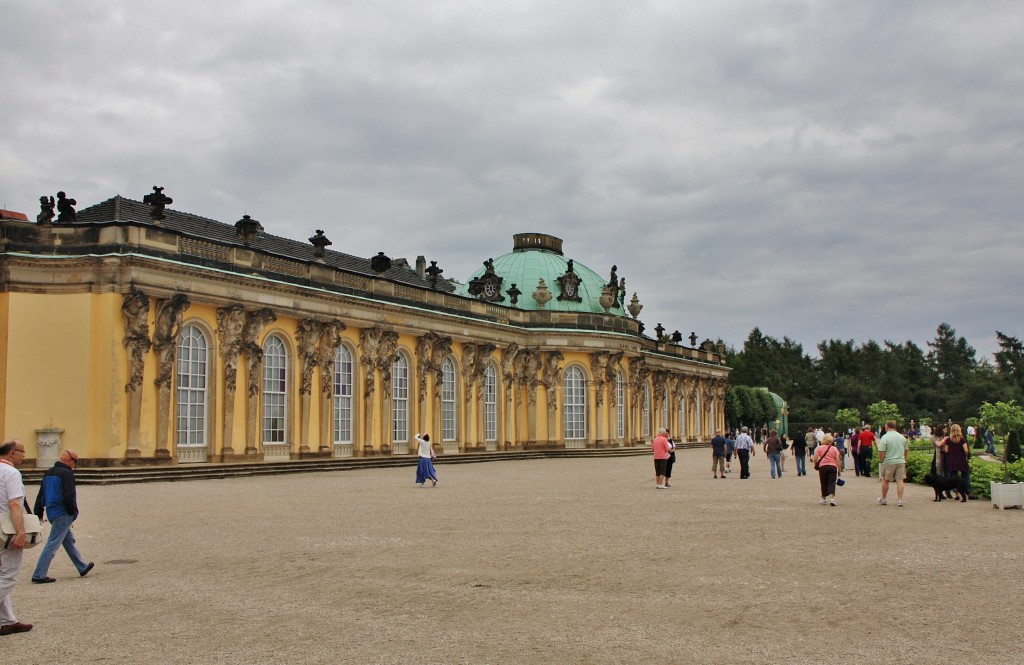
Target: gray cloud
(820,170)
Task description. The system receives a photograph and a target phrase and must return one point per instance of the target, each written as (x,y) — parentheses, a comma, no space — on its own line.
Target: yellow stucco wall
(50,379)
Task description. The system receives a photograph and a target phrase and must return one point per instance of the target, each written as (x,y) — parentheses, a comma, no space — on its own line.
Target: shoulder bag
(33,530)
(817,462)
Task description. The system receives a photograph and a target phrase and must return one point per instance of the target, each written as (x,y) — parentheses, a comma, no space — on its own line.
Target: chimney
(421,266)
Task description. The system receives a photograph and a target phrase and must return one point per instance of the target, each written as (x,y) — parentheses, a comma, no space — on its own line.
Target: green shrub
(919,463)
(982,473)
(1013,447)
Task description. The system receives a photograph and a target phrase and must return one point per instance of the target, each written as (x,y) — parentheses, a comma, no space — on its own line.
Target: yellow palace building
(137,334)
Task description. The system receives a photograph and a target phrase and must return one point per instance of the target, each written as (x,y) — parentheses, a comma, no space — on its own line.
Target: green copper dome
(537,256)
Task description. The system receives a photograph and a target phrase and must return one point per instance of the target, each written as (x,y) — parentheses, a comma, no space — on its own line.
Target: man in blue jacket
(58,497)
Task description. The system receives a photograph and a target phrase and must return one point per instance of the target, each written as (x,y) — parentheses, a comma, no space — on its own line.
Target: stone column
(135,311)
(230,324)
(308,336)
(165,342)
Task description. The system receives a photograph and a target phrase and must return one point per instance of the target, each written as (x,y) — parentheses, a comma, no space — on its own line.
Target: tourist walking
(958,455)
(827,460)
(744,451)
(990,442)
(58,499)
(730,448)
(862,453)
(12,500)
(661,454)
(800,454)
(784,452)
(718,450)
(892,462)
(810,440)
(425,468)
(773,448)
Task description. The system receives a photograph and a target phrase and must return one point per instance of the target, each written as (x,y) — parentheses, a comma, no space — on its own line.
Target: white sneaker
(660,487)
(823,502)
(882,502)
(899,504)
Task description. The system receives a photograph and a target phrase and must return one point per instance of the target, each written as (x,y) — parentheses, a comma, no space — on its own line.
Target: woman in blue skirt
(425,468)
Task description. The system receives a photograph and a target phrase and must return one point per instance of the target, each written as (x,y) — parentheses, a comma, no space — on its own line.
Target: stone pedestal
(48,444)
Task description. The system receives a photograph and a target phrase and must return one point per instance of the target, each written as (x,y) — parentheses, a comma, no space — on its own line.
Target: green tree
(747,407)
(756,411)
(733,416)
(1003,418)
(847,418)
(1010,360)
(1012,452)
(882,412)
(768,408)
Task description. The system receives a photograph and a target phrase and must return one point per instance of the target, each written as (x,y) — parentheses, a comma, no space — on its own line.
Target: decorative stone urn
(634,307)
(607,299)
(48,445)
(543,294)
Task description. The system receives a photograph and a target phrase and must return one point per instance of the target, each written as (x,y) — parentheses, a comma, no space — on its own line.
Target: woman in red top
(827,459)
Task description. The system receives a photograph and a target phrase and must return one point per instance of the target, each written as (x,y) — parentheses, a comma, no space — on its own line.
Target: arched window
(275,390)
(575,404)
(620,405)
(343,395)
(698,430)
(193,401)
(645,416)
(682,418)
(400,399)
(449,431)
(490,404)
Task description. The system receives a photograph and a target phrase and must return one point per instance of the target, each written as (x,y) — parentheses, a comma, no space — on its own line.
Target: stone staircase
(115,475)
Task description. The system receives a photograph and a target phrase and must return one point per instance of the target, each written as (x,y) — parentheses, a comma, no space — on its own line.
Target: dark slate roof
(119,210)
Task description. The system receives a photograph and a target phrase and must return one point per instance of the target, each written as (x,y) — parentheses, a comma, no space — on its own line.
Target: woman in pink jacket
(662,452)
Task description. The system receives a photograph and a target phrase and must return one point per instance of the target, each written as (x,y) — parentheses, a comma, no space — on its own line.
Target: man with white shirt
(744,450)
(12,500)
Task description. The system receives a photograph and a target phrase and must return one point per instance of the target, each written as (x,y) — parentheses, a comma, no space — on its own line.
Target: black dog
(947,484)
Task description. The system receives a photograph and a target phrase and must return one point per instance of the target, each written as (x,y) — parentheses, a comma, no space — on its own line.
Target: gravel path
(545,561)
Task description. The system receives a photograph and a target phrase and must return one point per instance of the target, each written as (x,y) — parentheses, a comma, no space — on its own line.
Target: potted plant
(1003,418)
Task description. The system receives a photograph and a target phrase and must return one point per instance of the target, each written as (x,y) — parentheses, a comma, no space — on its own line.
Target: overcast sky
(821,170)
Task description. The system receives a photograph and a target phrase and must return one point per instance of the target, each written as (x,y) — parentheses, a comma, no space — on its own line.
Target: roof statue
(46,205)
(65,208)
(157,200)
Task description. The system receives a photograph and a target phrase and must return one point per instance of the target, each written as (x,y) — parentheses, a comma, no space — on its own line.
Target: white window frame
(193,380)
(344,380)
(620,405)
(574,404)
(645,414)
(400,399)
(449,402)
(275,391)
(490,403)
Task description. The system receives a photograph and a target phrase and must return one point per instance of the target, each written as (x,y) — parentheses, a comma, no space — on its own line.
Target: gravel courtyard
(546,561)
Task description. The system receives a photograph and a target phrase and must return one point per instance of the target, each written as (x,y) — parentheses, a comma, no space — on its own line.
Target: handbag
(817,462)
(33,530)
